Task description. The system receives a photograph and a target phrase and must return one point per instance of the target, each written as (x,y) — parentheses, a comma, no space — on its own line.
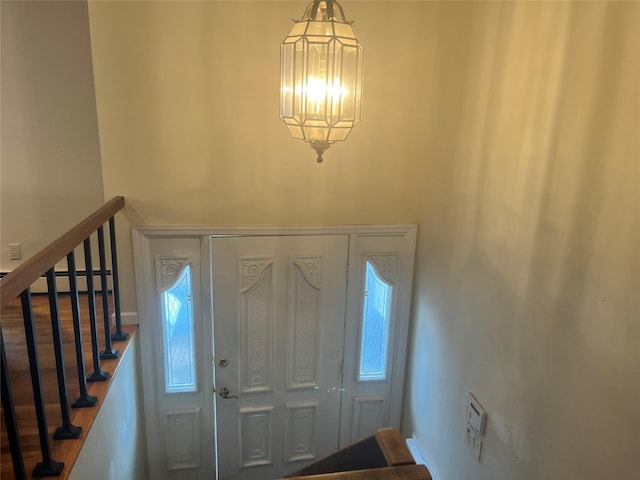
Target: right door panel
(378,304)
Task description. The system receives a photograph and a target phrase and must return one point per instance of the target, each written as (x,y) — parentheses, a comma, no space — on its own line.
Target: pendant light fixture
(321,76)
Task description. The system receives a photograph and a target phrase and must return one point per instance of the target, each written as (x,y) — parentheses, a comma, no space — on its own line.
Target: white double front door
(279,313)
(298,349)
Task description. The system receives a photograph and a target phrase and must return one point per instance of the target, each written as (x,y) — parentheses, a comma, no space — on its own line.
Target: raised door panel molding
(311,268)
(304,316)
(256,320)
(386,265)
(300,438)
(183,438)
(369,414)
(251,271)
(168,270)
(255,436)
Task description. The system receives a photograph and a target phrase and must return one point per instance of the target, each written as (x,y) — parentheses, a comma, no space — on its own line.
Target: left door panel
(178,386)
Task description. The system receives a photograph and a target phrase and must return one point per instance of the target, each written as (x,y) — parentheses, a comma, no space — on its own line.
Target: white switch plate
(473,441)
(476,415)
(15,253)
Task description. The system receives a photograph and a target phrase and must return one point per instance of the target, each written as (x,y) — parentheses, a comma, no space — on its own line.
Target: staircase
(382,456)
(58,351)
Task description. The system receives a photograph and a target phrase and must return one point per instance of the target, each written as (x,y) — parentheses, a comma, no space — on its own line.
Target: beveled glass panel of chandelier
(321,77)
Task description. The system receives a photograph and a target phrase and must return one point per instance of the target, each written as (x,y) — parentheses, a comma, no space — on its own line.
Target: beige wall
(528,283)
(188,107)
(505,129)
(188,95)
(50,174)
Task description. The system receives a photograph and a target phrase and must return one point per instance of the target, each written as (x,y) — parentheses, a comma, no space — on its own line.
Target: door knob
(224,393)
(223,362)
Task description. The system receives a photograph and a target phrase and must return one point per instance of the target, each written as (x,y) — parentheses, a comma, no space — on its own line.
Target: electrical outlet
(473,441)
(15,253)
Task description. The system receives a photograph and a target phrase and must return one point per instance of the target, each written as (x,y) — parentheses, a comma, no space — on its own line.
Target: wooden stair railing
(382,456)
(18,283)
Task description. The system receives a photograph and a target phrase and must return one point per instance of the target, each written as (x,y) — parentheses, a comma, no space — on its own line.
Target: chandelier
(321,76)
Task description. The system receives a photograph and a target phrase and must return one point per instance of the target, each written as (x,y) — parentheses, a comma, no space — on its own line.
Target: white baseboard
(62,284)
(420,457)
(128,318)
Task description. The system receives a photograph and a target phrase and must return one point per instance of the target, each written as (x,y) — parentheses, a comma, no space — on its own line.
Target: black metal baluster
(97,375)
(48,467)
(84,400)
(10,417)
(67,430)
(108,353)
(119,335)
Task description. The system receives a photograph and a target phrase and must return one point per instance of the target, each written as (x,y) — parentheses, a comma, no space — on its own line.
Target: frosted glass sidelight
(177,326)
(375,325)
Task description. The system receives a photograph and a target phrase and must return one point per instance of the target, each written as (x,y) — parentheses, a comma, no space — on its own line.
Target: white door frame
(143,235)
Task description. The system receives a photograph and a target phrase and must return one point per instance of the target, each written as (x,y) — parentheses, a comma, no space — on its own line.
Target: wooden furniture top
(383,455)
(401,472)
(28,272)
(393,447)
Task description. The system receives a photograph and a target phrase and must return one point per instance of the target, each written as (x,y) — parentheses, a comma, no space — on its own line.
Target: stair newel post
(84,400)
(108,353)
(119,335)
(97,375)
(10,417)
(67,430)
(48,466)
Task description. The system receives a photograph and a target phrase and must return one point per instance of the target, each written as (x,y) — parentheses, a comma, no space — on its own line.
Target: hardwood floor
(18,364)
